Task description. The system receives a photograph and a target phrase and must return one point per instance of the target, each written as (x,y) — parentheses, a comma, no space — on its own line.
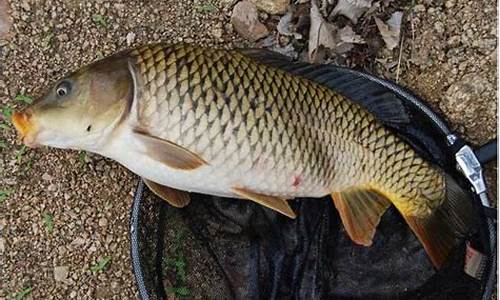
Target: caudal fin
(361,209)
(439,231)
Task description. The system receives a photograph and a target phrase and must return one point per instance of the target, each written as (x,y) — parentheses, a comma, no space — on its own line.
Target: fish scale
(234,112)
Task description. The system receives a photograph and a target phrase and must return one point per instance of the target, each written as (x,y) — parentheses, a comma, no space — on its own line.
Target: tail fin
(439,232)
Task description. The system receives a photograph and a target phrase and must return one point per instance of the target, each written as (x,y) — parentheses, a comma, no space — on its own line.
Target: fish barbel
(225,122)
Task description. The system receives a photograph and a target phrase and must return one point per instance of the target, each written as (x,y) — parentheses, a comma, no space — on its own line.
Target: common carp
(229,123)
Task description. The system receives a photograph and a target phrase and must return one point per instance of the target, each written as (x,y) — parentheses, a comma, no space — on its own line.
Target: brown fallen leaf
(392,30)
(321,33)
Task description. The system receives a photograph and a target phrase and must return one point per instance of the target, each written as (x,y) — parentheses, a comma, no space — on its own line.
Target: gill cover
(80,108)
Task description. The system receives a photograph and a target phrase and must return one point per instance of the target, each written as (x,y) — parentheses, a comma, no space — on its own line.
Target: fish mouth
(25,126)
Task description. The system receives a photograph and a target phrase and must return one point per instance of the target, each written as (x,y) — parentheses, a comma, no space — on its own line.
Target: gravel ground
(450,59)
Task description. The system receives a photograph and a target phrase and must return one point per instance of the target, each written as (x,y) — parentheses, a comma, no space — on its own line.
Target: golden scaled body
(292,136)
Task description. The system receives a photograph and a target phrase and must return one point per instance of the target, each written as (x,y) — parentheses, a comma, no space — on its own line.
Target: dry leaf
(346,38)
(347,35)
(321,33)
(392,30)
(273,44)
(353,9)
(285,26)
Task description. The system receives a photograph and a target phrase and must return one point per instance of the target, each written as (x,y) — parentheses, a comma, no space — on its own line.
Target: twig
(412,31)
(399,59)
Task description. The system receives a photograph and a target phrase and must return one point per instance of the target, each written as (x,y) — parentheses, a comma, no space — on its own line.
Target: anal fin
(174,197)
(360,211)
(278,204)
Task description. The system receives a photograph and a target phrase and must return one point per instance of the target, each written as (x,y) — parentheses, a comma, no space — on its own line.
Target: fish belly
(216,178)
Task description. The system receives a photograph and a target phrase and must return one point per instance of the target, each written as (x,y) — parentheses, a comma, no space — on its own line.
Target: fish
(248,124)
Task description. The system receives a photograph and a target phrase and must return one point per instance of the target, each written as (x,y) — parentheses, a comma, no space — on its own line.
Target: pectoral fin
(360,211)
(169,153)
(278,204)
(174,197)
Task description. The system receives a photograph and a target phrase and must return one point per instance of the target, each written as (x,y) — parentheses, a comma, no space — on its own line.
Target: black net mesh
(219,248)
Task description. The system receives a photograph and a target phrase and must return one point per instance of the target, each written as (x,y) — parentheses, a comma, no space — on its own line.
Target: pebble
(61,273)
(92,248)
(5,20)
(246,22)
(103,222)
(439,27)
(47,177)
(273,7)
(130,38)
(52,187)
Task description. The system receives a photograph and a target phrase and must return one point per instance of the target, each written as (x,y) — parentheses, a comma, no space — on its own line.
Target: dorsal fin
(356,86)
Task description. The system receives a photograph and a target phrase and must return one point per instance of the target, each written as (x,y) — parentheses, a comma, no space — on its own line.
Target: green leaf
(81,156)
(183,291)
(48,222)
(28,166)
(207,7)
(23,293)
(99,20)
(7,112)
(20,153)
(3,144)
(47,40)
(179,291)
(4,194)
(4,126)
(101,264)
(24,98)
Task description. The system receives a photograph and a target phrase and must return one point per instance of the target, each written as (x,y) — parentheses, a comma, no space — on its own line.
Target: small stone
(246,21)
(52,188)
(100,165)
(78,242)
(273,7)
(26,5)
(61,273)
(72,294)
(419,8)
(2,245)
(103,292)
(92,248)
(449,3)
(439,27)
(46,177)
(454,41)
(130,38)
(63,37)
(217,32)
(103,222)
(115,285)
(5,19)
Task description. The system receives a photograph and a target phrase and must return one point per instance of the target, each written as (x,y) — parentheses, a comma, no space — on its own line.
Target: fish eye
(63,89)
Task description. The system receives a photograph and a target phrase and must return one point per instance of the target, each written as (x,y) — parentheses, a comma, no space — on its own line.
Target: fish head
(81,110)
